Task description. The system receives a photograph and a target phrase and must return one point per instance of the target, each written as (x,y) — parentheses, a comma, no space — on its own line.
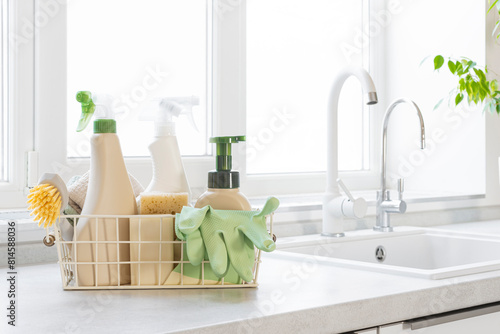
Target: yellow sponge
(162,203)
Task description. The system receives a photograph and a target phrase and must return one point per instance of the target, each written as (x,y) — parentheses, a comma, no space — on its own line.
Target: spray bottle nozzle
(88,108)
(104,104)
(162,111)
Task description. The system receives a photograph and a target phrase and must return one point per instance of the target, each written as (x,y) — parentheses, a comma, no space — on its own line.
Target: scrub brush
(48,199)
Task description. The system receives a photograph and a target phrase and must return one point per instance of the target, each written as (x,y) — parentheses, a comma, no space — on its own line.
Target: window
(294,50)
(454,160)
(134,51)
(159,53)
(227,56)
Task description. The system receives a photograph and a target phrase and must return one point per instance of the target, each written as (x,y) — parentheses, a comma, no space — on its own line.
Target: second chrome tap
(385,205)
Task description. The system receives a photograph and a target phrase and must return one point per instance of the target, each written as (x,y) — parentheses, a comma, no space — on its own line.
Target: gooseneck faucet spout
(384,203)
(335,206)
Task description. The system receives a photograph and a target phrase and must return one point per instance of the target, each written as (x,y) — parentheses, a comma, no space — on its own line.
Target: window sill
(311,202)
(290,208)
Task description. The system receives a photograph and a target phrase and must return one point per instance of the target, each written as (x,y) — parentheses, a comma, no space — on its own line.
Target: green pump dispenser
(104,122)
(223,177)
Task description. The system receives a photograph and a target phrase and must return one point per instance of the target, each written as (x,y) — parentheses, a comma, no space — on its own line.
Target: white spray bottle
(168,171)
(109,193)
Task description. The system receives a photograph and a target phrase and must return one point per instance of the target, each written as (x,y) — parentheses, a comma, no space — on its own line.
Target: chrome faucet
(335,206)
(385,205)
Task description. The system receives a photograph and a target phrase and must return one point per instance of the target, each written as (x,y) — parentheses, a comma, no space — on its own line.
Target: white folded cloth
(78,191)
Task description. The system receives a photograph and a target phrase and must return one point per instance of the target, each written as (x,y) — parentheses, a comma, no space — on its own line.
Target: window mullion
(50,51)
(229,74)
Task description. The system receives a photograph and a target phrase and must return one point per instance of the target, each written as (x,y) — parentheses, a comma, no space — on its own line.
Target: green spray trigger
(88,108)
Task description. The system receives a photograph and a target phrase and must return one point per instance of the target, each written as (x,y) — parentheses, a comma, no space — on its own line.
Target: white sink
(426,253)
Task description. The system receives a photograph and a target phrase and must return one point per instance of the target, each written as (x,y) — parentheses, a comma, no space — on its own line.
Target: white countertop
(293,296)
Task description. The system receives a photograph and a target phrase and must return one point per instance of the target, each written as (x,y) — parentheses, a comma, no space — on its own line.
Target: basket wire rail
(149,273)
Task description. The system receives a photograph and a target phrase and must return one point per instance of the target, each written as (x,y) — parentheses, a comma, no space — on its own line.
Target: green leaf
(494,85)
(452,67)
(482,93)
(468,65)
(486,91)
(438,62)
(459,98)
(475,87)
(492,5)
(495,29)
(462,84)
(492,106)
(468,88)
(480,74)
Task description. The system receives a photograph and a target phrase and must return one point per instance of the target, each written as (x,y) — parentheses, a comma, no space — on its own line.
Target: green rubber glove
(228,236)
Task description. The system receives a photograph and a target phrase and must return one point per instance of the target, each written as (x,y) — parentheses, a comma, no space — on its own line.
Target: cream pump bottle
(109,193)
(223,191)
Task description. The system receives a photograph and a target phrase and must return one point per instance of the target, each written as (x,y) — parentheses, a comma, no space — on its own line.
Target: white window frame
(18,89)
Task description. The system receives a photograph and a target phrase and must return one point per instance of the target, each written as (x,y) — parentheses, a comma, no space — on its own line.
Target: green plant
(472,83)
(472,79)
(495,4)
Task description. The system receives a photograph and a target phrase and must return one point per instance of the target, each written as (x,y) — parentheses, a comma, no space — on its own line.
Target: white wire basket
(147,257)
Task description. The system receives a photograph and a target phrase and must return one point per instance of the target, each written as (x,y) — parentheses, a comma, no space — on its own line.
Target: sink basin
(425,253)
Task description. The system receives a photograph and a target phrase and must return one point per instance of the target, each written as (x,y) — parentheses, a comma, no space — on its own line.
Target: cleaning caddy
(105,242)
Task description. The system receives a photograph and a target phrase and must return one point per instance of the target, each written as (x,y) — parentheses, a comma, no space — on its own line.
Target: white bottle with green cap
(223,191)
(109,193)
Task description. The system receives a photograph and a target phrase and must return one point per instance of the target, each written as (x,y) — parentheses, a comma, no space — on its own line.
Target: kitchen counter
(303,296)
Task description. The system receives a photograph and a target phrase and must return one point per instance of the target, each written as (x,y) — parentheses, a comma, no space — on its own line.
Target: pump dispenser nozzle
(223,177)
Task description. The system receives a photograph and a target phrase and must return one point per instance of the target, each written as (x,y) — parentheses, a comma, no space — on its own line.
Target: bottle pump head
(163,110)
(223,177)
(104,122)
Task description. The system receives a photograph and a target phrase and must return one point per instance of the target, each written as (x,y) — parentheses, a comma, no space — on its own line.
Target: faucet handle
(401,188)
(344,188)
(354,207)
